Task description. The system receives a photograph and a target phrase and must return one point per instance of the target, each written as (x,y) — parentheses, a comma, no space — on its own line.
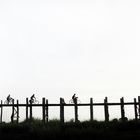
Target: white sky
(55,48)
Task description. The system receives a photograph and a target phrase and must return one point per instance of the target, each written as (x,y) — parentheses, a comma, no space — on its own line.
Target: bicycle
(9,102)
(71,101)
(34,101)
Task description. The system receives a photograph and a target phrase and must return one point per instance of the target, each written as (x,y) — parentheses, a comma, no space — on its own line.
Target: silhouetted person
(32,98)
(74,98)
(8,99)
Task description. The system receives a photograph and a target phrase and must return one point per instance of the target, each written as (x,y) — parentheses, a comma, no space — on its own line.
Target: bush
(114,129)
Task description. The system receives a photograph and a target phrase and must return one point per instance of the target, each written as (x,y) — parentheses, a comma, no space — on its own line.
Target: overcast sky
(55,48)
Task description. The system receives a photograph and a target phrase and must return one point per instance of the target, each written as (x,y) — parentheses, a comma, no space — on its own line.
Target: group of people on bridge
(32,100)
(10,100)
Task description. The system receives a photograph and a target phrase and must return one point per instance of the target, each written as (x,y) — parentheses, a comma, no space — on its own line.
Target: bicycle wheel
(36,102)
(78,101)
(71,101)
(6,102)
(30,101)
(11,101)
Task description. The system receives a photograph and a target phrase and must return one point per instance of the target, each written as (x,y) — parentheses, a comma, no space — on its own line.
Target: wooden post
(17,111)
(91,109)
(139,107)
(27,109)
(62,110)
(47,109)
(135,109)
(76,110)
(106,109)
(43,110)
(122,109)
(12,115)
(1,112)
(31,114)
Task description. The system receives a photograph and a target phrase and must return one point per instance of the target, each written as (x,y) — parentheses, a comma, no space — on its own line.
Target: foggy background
(55,48)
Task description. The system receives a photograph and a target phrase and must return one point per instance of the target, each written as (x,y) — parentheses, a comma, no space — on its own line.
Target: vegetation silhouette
(88,130)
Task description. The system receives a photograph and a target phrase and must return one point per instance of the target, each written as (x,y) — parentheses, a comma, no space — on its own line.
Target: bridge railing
(15,105)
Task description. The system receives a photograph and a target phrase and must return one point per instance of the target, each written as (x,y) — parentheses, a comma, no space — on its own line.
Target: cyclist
(8,99)
(74,98)
(32,98)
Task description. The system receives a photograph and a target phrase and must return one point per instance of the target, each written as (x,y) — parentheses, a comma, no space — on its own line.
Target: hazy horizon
(54,49)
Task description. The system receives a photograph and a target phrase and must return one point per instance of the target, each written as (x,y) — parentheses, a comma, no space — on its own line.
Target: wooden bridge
(45,109)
